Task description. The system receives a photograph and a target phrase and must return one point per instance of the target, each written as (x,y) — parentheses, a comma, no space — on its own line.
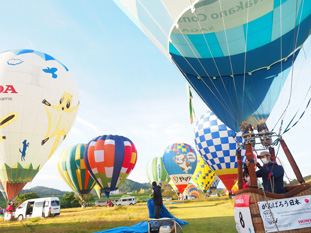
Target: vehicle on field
(39,207)
(215,195)
(167,198)
(126,201)
(100,203)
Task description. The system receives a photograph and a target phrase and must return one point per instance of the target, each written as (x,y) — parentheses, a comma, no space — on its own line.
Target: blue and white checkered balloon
(215,142)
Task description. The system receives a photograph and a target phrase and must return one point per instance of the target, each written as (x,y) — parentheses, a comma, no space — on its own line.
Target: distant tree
(87,197)
(169,193)
(26,196)
(69,200)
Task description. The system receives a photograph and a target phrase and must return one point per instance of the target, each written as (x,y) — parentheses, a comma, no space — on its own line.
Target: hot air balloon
(98,190)
(215,143)
(180,161)
(215,183)
(191,191)
(171,183)
(110,159)
(235,55)
(203,176)
(71,167)
(156,171)
(40,104)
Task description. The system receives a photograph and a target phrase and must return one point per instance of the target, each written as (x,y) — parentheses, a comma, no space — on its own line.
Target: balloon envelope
(180,161)
(156,171)
(110,159)
(191,191)
(203,176)
(215,183)
(215,143)
(40,102)
(72,169)
(236,55)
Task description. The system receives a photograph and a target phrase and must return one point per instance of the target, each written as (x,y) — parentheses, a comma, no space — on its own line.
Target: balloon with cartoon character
(180,161)
(39,102)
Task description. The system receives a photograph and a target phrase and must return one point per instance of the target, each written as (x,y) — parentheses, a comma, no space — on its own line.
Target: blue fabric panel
(207,44)
(236,40)
(187,49)
(257,58)
(278,2)
(118,159)
(253,99)
(173,50)
(259,32)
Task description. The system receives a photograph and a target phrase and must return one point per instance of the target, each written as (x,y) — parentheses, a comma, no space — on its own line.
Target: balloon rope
(292,71)
(221,102)
(209,49)
(234,84)
(245,54)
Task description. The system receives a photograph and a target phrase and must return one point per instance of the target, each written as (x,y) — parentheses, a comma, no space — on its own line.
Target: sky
(127,86)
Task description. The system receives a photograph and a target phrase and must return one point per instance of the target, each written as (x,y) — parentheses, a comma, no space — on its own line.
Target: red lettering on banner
(242,201)
(304,221)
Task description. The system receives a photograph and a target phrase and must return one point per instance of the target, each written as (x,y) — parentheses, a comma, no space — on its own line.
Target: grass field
(211,215)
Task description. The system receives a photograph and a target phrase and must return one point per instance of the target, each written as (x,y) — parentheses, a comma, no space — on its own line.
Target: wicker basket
(258,195)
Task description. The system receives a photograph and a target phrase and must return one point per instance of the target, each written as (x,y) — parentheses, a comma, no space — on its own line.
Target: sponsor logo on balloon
(307,200)
(7,89)
(175,178)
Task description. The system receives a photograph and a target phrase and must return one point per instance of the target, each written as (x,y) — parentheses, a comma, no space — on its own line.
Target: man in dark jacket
(157,199)
(272,174)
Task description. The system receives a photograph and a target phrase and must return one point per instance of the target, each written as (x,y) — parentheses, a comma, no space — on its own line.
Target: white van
(126,201)
(39,207)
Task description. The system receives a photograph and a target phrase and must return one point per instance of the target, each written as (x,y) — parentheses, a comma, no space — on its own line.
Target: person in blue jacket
(271,173)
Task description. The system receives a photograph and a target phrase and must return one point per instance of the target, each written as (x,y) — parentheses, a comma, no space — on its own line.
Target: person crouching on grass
(157,199)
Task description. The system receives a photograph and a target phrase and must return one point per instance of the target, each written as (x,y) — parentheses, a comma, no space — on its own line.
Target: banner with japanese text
(287,214)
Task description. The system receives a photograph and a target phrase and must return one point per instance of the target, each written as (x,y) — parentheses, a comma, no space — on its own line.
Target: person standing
(271,173)
(157,199)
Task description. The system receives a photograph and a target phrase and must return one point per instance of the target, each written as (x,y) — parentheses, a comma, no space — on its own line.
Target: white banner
(242,214)
(288,213)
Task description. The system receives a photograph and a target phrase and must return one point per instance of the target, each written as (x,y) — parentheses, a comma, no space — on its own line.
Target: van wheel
(20,217)
(131,203)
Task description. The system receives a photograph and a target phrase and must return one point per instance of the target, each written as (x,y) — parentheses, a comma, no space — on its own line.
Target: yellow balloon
(203,176)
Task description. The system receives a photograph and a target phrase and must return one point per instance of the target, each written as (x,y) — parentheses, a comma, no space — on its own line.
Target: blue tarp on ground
(143,226)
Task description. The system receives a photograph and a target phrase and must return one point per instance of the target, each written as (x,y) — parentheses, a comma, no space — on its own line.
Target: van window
(47,203)
(54,203)
(38,204)
(22,206)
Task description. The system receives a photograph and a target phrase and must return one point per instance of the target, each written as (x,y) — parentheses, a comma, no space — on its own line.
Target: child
(246,179)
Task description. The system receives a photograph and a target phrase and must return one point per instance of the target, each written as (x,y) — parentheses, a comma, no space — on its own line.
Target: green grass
(203,216)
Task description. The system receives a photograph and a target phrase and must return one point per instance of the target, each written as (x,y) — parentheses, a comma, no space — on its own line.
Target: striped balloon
(72,169)
(156,171)
(180,161)
(110,159)
(191,191)
(203,176)
(217,146)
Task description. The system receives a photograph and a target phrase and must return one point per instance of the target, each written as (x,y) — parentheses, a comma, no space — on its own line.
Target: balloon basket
(259,195)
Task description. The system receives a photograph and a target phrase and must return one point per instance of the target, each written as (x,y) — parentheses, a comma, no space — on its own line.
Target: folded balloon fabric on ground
(142,227)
